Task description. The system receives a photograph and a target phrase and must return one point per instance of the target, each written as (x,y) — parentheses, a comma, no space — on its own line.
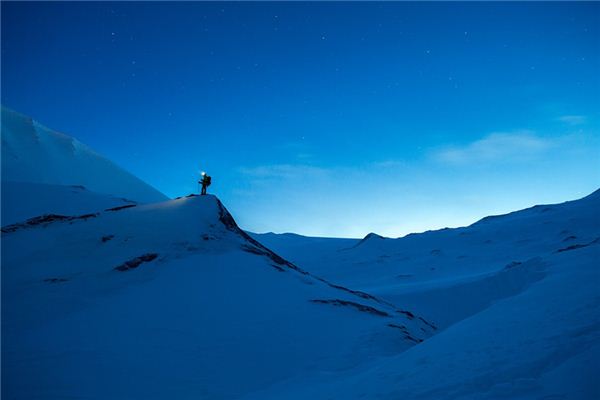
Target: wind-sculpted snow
(515,298)
(35,154)
(173,300)
(24,200)
(44,220)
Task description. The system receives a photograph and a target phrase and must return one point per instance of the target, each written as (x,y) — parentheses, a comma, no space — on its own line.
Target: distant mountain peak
(33,153)
(372,235)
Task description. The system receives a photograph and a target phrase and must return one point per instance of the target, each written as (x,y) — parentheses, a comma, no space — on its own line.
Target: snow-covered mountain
(516,298)
(173,300)
(24,200)
(32,153)
(107,298)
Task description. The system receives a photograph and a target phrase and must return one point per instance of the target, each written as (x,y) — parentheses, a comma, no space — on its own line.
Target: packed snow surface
(173,300)
(24,200)
(517,298)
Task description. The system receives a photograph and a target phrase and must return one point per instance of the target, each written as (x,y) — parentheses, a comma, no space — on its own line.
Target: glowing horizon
(319,119)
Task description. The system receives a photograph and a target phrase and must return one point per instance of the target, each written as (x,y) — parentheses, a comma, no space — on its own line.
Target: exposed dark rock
(432,326)
(572,247)
(416,340)
(120,207)
(107,238)
(407,313)
(435,252)
(578,246)
(253,246)
(569,238)
(136,262)
(45,220)
(260,252)
(512,264)
(279,263)
(86,216)
(355,292)
(407,334)
(55,280)
(358,306)
(401,327)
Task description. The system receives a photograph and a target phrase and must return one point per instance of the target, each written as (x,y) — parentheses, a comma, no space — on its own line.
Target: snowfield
(173,300)
(517,298)
(111,291)
(24,200)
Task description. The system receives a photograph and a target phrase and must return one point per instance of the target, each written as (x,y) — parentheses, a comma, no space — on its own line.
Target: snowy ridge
(35,154)
(212,298)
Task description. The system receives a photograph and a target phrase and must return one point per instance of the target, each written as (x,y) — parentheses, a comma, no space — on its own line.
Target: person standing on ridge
(205,181)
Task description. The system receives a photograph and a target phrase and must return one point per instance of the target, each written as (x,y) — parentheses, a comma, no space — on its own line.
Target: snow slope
(516,298)
(24,200)
(35,154)
(173,300)
(103,297)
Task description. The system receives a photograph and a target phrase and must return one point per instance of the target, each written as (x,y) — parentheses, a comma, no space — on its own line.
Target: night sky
(324,118)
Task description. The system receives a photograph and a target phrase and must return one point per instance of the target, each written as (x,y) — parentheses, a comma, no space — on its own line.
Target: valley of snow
(111,291)
(516,297)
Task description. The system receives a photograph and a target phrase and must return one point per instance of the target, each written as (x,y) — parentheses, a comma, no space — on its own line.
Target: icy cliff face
(32,153)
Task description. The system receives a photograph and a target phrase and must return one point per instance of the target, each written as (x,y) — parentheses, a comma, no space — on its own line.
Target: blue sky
(329,119)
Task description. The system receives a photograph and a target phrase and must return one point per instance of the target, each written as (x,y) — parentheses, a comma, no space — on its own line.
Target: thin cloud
(502,146)
(281,171)
(573,119)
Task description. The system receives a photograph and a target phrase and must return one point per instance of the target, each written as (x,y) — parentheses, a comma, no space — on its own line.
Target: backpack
(207,180)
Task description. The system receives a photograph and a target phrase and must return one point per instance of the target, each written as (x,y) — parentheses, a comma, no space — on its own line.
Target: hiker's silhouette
(205,182)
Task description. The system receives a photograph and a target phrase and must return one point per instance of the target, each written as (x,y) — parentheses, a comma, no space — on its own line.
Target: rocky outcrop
(136,262)
(45,220)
